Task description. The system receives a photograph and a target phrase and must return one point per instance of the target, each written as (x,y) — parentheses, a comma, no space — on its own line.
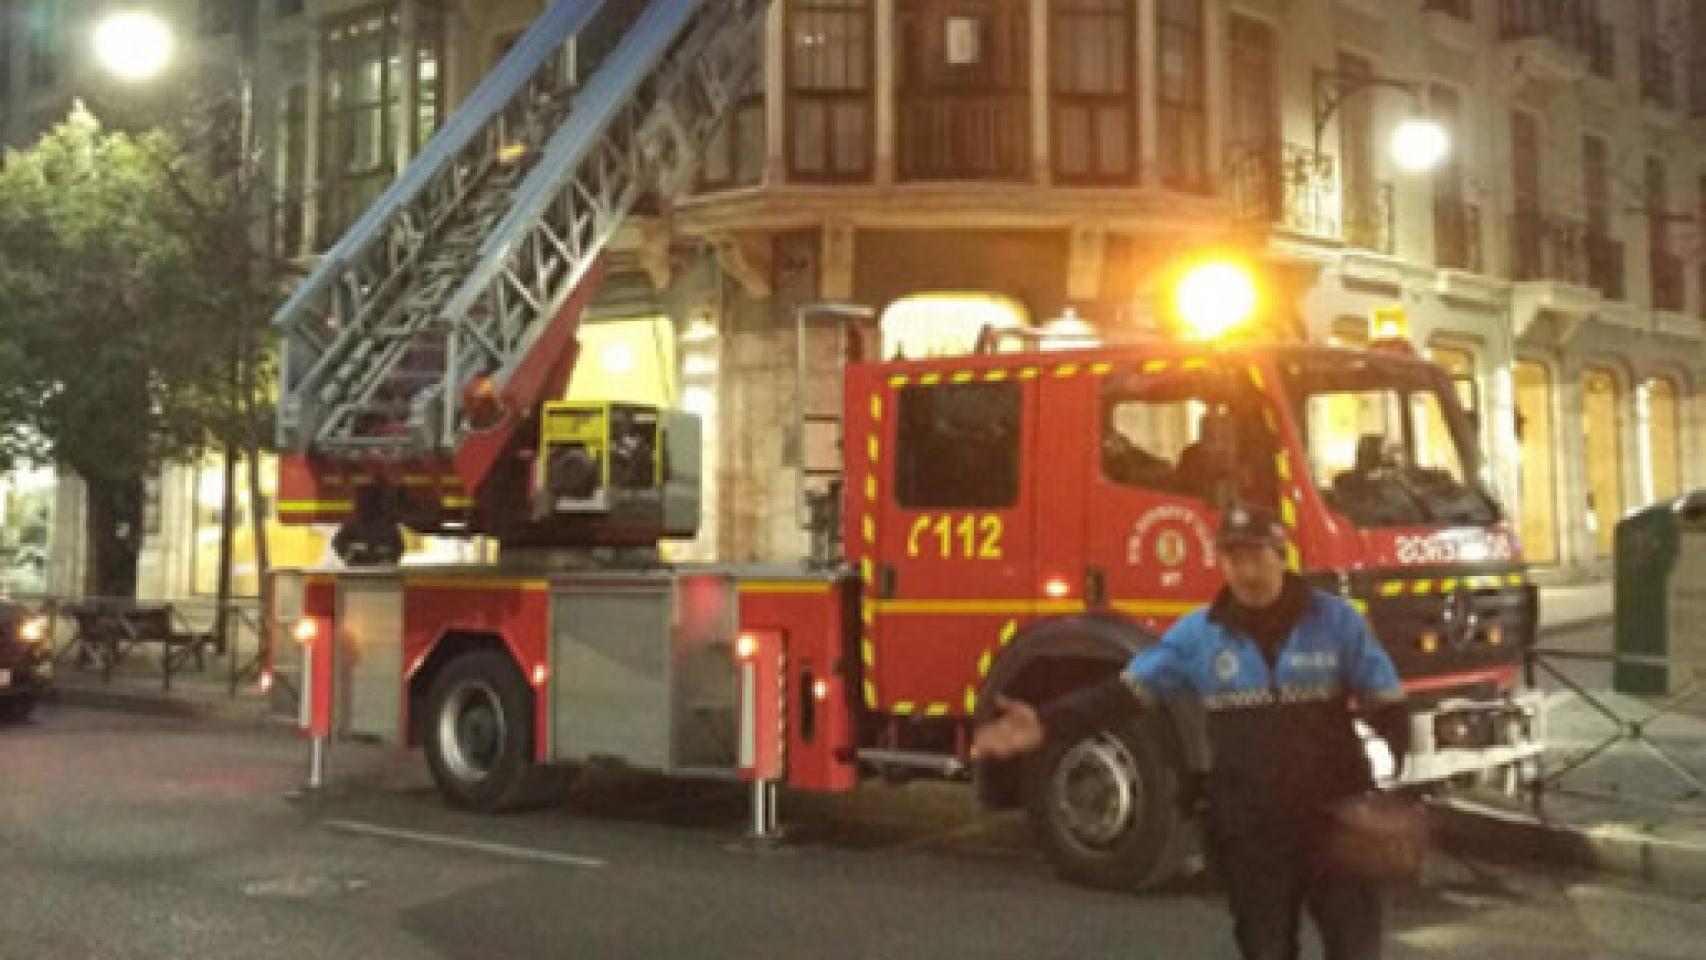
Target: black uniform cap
(1245,526)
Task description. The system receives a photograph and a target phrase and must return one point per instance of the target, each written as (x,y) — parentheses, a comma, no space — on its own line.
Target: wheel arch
(1055,656)
(450,645)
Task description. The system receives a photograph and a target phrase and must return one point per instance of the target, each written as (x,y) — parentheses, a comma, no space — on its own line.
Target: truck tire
(1107,807)
(17,709)
(479,737)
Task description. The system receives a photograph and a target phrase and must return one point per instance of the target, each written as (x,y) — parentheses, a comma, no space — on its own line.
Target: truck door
(954,539)
(1154,491)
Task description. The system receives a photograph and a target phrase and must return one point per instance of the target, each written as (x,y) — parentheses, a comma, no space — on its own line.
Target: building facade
(952,164)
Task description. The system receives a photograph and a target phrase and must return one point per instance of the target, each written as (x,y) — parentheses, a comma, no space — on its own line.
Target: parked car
(26,662)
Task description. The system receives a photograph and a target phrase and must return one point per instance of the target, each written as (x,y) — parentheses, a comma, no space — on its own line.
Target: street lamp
(133,45)
(1419,143)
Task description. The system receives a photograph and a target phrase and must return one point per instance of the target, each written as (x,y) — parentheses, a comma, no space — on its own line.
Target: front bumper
(1458,736)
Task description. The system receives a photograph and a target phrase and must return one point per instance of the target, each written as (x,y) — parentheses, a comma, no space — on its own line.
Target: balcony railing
(1284,185)
(1602,48)
(1606,265)
(1697,86)
(1544,247)
(1369,219)
(1658,74)
(1457,234)
(965,136)
(1669,291)
(1569,22)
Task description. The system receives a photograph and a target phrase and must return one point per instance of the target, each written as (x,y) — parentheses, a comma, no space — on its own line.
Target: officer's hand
(1016,729)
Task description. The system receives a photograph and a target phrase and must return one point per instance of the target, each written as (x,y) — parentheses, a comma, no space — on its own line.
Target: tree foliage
(132,306)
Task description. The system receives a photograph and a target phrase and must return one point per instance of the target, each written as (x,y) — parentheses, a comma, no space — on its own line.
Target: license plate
(5,677)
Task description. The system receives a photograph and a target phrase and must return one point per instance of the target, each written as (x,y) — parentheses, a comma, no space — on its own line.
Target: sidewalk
(136,687)
(1625,811)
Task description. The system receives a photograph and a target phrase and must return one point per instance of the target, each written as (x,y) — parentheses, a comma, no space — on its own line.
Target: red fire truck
(1006,522)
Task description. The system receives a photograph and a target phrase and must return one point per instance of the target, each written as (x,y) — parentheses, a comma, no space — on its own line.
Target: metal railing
(236,636)
(1697,86)
(1658,74)
(1669,286)
(1547,247)
(1624,729)
(1569,22)
(1284,185)
(1457,234)
(1602,49)
(1606,266)
(1370,218)
(1461,9)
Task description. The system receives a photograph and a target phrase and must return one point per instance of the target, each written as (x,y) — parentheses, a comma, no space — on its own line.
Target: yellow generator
(622,466)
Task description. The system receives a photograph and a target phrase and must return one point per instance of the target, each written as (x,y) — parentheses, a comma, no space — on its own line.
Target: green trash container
(1659,594)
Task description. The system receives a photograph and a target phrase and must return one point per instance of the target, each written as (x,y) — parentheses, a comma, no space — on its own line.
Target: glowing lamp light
(1057,587)
(265,682)
(1215,298)
(306,630)
(820,690)
(1495,635)
(540,674)
(133,44)
(1429,642)
(1419,144)
(746,647)
(33,630)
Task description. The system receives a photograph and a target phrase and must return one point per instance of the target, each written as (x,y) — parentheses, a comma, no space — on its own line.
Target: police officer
(1276,663)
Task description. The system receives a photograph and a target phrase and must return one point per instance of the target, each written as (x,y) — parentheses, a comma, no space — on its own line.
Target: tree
(131,319)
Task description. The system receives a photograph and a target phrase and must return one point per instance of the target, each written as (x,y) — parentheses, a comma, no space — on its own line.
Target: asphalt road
(123,837)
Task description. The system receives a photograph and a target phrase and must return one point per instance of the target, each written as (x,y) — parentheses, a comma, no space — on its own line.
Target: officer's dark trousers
(1273,875)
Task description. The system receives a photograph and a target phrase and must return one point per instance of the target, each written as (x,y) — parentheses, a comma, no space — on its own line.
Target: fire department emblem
(1171,548)
(1225,665)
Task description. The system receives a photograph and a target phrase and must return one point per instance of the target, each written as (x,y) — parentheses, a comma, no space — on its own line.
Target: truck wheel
(16,709)
(479,737)
(1107,807)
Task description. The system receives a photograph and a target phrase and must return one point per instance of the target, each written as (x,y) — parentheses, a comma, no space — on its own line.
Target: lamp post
(136,45)
(1419,143)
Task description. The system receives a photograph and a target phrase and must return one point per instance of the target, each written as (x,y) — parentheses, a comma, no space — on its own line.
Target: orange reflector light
(1057,587)
(540,674)
(820,690)
(1429,642)
(1495,635)
(265,683)
(746,647)
(307,629)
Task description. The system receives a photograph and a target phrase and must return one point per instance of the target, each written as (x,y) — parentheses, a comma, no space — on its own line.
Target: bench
(108,632)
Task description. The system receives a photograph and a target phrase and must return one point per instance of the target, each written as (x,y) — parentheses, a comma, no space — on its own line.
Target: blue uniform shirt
(1329,653)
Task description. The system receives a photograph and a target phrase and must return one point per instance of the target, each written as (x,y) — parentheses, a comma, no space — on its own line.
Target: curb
(1597,622)
(163,705)
(1620,849)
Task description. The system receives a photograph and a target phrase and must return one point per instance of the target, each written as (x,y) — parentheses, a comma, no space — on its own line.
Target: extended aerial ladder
(416,356)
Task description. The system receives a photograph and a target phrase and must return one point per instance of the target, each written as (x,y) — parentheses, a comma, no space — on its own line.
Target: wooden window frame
(795,96)
(1122,15)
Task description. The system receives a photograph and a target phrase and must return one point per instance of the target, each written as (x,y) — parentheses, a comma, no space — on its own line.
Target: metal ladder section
(460,265)
(828,337)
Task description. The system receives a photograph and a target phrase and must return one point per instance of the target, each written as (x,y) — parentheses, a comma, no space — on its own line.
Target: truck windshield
(1386,442)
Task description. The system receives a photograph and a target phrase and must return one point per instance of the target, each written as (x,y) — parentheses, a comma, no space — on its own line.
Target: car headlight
(33,630)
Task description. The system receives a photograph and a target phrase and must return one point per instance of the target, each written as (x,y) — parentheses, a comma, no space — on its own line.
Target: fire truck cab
(1023,523)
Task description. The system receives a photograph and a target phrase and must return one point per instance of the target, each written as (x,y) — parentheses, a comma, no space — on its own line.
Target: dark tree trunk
(115,534)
